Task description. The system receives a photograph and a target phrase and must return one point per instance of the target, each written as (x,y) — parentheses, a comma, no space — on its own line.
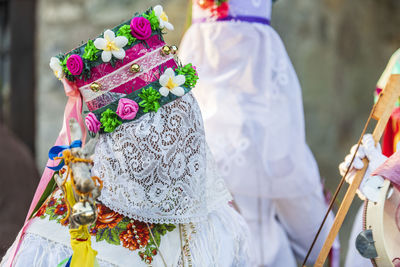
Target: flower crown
(126,72)
(111,45)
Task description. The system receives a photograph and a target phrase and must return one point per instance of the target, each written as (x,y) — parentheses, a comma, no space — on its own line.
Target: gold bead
(95,87)
(165,50)
(174,49)
(135,68)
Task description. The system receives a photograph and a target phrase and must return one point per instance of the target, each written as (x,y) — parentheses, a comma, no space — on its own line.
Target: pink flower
(140,28)
(127,109)
(92,123)
(75,64)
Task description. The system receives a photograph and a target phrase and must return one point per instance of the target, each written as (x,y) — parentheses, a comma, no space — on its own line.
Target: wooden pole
(382,111)
(22,71)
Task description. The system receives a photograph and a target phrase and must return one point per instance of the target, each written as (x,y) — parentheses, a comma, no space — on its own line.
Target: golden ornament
(165,50)
(95,87)
(135,68)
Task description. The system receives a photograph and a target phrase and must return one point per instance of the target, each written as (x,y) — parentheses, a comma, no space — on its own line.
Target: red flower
(41,211)
(130,239)
(93,231)
(60,209)
(52,201)
(220,11)
(145,258)
(149,259)
(65,222)
(107,217)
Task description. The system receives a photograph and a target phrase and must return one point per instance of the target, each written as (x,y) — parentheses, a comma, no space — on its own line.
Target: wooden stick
(382,111)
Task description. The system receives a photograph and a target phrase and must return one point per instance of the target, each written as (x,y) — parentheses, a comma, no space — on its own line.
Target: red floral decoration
(52,201)
(129,237)
(144,257)
(60,209)
(41,211)
(107,218)
(218,8)
(221,11)
(93,231)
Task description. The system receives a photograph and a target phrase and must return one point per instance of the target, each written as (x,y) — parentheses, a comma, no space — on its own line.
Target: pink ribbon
(73,109)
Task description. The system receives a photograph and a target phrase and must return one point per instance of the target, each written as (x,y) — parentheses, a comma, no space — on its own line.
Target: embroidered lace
(156,169)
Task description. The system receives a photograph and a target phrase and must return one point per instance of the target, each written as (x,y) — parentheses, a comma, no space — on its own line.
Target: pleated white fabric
(221,241)
(251,103)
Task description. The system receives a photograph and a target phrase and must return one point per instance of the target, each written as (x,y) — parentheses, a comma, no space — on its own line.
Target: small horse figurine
(79,187)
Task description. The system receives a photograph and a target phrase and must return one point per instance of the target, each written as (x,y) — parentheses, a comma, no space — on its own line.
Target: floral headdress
(126,72)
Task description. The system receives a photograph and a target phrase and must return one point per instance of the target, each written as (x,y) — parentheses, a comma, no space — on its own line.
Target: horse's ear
(88,150)
(76,133)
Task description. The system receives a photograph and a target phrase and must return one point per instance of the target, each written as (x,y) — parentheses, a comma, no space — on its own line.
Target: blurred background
(339,49)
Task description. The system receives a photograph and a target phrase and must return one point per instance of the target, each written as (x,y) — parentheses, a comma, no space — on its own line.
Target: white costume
(252,107)
(157,172)
(353,258)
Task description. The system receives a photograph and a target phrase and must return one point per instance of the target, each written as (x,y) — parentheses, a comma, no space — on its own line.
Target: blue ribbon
(67,260)
(56,151)
(251,19)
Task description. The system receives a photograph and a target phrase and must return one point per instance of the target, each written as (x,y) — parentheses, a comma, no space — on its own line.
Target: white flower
(162,18)
(55,65)
(111,46)
(171,83)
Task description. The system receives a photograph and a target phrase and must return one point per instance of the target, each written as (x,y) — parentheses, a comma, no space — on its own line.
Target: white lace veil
(158,169)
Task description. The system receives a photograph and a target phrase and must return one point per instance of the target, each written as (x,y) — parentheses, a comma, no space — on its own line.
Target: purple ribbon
(250,19)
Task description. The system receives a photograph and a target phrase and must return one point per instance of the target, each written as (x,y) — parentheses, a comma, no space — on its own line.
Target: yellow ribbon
(83,254)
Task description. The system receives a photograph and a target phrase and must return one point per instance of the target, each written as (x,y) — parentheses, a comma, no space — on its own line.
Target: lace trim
(154,168)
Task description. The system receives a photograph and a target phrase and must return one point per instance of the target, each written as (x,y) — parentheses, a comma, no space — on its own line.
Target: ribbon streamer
(73,109)
(55,151)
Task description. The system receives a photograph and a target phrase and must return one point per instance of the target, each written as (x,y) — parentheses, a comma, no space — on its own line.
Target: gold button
(165,50)
(135,68)
(95,87)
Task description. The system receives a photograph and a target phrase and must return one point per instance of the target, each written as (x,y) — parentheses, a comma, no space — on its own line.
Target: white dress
(251,103)
(155,164)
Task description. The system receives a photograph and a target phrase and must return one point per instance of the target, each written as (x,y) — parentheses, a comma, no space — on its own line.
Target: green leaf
(50,210)
(109,235)
(47,192)
(53,216)
(170,227)
(100,236)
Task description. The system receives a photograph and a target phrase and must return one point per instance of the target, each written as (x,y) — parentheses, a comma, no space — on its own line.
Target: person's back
(162,202)
(252,106)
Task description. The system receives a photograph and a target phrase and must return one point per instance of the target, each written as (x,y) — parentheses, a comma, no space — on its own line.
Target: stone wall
(339,50)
